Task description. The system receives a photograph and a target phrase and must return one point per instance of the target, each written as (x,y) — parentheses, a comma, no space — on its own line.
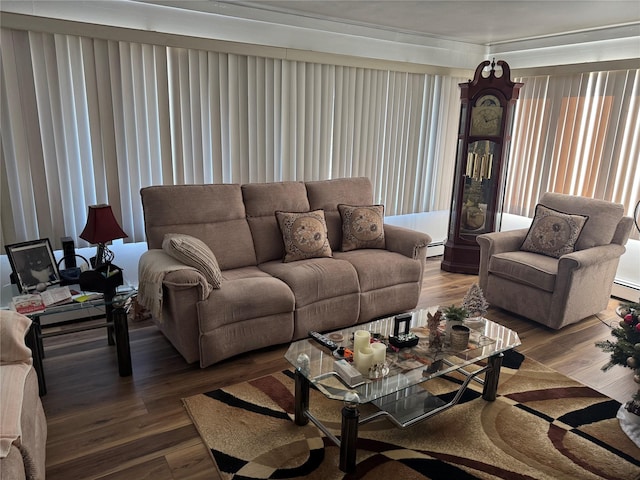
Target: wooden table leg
(301,399)
(490,389)
(349,437)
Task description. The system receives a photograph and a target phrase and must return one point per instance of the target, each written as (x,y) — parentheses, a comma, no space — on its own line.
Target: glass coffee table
(397,389)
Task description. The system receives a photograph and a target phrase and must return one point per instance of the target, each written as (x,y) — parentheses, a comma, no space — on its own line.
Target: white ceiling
(428,35)
(478,22)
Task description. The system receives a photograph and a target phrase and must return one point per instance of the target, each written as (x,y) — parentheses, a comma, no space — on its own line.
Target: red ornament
(638,327)
(628,318)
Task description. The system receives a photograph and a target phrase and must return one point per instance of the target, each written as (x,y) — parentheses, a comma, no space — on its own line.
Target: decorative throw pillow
(304,235)
(195,253)
(553,233)
(362,226)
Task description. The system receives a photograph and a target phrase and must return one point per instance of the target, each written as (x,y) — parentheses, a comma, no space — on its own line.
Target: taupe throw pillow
(194,252)
(304,235)
(362,226)
(553,233)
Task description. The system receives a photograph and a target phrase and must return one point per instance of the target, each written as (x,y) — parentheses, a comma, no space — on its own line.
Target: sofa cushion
(195,253)
(553,233)
(304,235)
(213,213)
(526,268)
(315,279)
(603,216)
(328,194)
(362,226)
(380,268)
(246,296)
(261,201)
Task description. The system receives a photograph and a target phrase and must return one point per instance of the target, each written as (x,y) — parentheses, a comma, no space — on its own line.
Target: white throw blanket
(153,267)
(15,358)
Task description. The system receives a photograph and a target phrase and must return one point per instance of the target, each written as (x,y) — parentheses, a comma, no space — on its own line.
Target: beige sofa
(263,300)
(23,429)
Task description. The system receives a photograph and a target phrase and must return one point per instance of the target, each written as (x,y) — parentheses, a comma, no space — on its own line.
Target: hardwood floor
(108,427)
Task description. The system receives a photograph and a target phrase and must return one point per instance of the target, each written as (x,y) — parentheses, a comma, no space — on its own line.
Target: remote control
(324,341)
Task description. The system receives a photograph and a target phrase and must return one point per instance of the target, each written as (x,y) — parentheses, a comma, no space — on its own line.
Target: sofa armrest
(157,270)
(494,243)
(172,273)
(13,329)
(500,242)
(185,279)
(410,243)
(589,257)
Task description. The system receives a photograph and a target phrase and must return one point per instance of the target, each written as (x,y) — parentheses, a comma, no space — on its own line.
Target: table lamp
(101,227)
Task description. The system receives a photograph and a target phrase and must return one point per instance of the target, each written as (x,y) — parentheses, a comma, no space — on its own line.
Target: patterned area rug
(542,426)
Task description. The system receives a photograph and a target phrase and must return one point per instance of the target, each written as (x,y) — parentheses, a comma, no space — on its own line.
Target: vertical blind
(88,121)
(576,134)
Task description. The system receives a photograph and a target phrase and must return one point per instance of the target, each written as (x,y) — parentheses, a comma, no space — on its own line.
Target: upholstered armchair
(562,268)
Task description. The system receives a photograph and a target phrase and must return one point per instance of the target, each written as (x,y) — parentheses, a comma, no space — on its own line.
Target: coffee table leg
(490,390)
(302,398)
(349,437)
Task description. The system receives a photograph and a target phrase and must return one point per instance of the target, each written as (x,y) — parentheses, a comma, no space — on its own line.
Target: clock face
(486,116)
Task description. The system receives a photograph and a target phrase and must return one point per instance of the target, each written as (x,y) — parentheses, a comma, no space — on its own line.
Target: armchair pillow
(362,226)
(553,233)
(304,235)
(195,253)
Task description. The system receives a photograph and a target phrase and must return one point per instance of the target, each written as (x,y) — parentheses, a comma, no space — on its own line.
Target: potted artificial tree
(456,333)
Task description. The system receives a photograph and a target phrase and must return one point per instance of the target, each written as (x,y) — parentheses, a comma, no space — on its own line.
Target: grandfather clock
(484,138)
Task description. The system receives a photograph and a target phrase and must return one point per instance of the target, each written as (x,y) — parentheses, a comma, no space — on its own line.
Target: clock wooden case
(484,137)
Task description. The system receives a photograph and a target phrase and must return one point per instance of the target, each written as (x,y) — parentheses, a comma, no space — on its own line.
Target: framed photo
(33,263)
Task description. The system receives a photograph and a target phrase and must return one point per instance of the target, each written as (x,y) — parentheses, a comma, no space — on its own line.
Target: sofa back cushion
(212,213)
(603,216)
(261,201)
(328,194)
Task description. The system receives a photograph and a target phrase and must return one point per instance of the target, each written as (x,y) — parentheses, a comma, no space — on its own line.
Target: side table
(116,307)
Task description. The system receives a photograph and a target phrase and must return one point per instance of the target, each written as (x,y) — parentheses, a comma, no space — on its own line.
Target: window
(88,121)
(576,134)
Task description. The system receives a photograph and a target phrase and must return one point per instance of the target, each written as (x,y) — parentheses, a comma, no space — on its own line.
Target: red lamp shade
(102,226)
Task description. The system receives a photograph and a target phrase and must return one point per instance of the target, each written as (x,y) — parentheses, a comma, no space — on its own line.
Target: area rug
(543,425)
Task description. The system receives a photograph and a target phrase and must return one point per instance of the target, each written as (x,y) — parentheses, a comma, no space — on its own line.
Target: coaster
(336,337)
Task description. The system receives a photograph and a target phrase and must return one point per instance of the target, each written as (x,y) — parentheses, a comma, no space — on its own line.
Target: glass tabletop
(404,367)
(80,304)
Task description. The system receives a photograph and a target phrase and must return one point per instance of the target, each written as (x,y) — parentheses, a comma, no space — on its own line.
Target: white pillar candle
(379,353)
(364,360)
(361,339)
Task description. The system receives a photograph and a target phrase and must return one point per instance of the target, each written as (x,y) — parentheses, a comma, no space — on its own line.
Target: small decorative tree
(455,314)
(474,301)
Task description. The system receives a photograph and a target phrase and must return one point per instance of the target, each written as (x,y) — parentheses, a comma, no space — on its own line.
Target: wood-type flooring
(104,426)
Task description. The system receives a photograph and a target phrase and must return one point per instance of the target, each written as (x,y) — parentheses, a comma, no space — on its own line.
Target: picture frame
(33,264)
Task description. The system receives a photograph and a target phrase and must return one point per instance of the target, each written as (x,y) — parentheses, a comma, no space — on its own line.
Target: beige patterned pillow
(195,253)
(553,233)
(362,226)
(304,235)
